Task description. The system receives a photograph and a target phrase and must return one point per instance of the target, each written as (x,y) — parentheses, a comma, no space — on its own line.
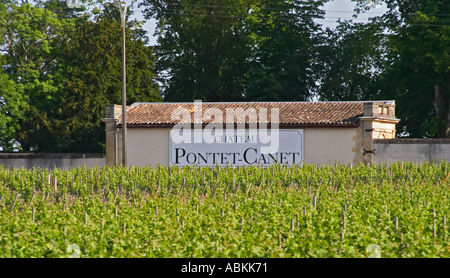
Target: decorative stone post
(378,122)
(111,134)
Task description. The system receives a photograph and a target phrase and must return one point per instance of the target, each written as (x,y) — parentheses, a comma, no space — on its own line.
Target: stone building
(308,132)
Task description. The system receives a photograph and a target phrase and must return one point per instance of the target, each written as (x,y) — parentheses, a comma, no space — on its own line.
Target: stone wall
(385,151)
(51,160)
(414,150)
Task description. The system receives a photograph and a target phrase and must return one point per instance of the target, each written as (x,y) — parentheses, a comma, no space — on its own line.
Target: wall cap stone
(51,155)
(413,141)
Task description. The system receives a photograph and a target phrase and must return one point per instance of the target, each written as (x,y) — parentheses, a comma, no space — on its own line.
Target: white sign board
(237,148)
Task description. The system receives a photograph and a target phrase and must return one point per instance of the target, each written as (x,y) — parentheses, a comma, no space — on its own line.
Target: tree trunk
(441,106)
(447,131)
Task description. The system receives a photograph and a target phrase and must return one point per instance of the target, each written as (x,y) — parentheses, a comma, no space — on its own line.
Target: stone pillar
(111,135)
(119,146)
(378,122)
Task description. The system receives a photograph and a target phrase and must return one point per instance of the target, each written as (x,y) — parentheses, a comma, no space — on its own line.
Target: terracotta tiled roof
(290,113)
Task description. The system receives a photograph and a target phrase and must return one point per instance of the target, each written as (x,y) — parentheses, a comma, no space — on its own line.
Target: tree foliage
(12,105)
(353,58)
(202,48)
(61,66)
(12,101)
(402,55)
(231,50)
(91,85)
(65,67)
(285,54)
(422,43)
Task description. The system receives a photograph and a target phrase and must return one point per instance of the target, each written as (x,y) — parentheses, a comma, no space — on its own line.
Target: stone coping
(413,141)
(51,155)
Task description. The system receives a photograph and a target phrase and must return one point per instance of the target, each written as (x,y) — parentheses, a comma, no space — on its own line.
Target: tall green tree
(94,76)
(66,66)
(12,106)
(32,41)
(353,57)
(12,101)
(231,50)
(285,54)
(422,43)
(402,55)
(203,47)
